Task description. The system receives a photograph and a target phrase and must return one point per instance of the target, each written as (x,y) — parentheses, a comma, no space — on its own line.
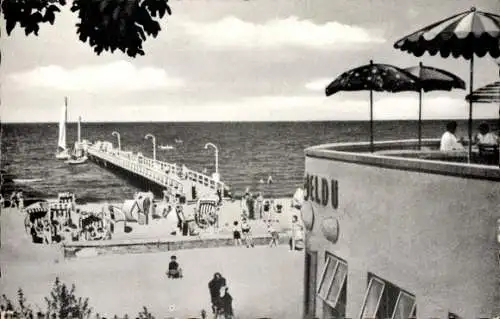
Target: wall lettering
(321,190)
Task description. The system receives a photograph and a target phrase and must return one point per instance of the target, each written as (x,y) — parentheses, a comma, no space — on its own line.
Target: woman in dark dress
(214,286)
(227,305)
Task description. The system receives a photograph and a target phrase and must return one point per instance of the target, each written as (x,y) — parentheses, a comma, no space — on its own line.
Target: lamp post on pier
(216,175)
(118,137)
(153,138)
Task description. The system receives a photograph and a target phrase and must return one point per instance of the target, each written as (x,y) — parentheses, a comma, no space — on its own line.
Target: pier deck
(157,174)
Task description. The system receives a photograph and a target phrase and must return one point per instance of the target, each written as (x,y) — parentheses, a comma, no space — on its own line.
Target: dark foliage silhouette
(106,25)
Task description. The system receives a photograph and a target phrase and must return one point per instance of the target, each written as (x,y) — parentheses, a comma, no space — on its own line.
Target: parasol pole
(420,118)
(420,110)
(471,82)
(371,116)
(371,121)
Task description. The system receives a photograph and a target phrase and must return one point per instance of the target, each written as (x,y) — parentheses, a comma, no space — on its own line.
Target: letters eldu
(321,190)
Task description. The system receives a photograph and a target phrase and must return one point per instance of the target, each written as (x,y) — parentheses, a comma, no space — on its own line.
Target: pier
(155,175)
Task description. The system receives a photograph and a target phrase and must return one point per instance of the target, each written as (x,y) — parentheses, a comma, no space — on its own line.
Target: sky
(236,60)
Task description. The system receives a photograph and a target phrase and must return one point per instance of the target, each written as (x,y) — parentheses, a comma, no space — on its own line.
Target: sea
(248,152)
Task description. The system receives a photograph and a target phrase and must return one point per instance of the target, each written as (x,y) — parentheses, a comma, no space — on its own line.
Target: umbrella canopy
(374,77)
(462,35)
(486,94)
(433,79)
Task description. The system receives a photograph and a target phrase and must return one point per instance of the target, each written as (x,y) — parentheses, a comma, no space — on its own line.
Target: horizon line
(250,121)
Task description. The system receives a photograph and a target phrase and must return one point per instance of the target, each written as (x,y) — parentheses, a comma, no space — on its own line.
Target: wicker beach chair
(206,213)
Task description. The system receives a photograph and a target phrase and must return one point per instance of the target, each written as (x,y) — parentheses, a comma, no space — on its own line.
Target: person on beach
(274,235)
(247,234)
(251,206)
(244,206)
(449,141)
(259,204)
(227,304)
(174,270)
(236,234)
(266,208)
(214,287)
(296,234)
(20,200)
(13,200)
(47,232)
(180,217)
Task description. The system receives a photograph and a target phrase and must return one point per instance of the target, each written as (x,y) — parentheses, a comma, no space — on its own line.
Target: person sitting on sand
(174,271)
(485,137)
(449,141)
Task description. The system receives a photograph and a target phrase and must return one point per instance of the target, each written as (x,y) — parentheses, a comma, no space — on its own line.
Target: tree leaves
(29,14)
(107,25)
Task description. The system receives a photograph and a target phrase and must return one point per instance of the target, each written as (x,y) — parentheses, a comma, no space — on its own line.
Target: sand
(264,282)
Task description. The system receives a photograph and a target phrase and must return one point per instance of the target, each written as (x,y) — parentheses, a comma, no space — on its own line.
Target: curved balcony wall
(424,220)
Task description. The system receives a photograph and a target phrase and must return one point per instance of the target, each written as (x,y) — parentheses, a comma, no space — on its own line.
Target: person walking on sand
(12,198)
(274,235)
(247,234)
(214,287)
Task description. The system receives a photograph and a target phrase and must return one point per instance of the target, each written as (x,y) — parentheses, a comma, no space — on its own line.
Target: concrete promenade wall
(134,246)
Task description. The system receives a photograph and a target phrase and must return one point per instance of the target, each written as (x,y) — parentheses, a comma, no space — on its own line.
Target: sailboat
(78,156)
(62,151)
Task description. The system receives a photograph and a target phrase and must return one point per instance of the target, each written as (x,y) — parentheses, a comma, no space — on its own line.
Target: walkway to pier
(177,179)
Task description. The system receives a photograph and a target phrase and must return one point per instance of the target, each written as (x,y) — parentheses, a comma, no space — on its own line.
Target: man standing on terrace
(449,141)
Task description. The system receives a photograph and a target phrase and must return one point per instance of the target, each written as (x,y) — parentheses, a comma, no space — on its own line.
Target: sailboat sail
(61,144)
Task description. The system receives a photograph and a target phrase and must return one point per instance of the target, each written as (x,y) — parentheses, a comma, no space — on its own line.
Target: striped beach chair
(206,213)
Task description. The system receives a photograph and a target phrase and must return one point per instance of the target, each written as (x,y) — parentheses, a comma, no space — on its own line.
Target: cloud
(120,75)
(236,33)
(319,84)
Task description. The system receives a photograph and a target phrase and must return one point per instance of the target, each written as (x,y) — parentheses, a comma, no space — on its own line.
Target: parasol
(433,79)
(374,77)
(461,35)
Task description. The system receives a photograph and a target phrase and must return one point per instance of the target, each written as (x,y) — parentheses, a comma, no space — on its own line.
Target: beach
(264,281)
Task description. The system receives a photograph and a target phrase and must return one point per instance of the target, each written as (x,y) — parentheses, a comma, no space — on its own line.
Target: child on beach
(247,236)
(174,271)
(274,235)
(236,234)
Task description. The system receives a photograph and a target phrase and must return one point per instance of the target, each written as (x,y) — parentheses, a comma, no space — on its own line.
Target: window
(333,280)
(386,301)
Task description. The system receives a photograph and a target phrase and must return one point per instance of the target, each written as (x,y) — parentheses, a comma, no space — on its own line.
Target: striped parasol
(487,94)
(464,35)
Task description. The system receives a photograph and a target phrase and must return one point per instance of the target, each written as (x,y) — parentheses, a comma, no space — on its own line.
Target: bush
(62,302)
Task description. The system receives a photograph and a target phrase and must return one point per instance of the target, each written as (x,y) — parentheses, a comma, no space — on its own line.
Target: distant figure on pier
(270,179)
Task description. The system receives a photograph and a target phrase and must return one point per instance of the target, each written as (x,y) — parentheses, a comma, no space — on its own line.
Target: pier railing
(163,173)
